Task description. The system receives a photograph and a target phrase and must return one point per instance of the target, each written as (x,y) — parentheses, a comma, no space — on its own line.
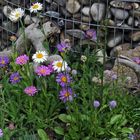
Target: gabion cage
(110,25)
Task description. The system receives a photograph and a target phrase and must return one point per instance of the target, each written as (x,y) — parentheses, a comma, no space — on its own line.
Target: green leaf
(59,130)
(66,118)
(42,134)
(127,130)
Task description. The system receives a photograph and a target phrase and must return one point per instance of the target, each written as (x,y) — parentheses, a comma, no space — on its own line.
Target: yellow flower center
(59,64)
(35,6)
(39,55)
(2,62)
(16,78)
(67,94)
(64,79)
(17,15)
(42,71)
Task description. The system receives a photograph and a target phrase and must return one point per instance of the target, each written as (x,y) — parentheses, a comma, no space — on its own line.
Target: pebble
(60,2)
(119,13)
(86,11)
(73,6)
(7,10)
(97,11)
(27,20)
(135,36)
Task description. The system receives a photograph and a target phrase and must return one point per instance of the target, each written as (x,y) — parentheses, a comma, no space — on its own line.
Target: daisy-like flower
(21,60)
(43,70)
(63,79)
(36,7)
(16,14)
(15,78)
(4,60)
(66,95)
(31,90)
(40,56)
(1,133)
(60,65)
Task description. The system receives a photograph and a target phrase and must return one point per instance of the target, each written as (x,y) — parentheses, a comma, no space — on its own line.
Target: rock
(135,36)
(27,20)
(84,27)
(121,4)
(86,19)
(135,13)
(53,14)
(97,11)
(60,2)
(50,28)
(65,12)
(53,6)
(84,2)
(119,13)
(7,10)
(137,23)
(101,55)
(76,33)
(49,1)
(86,11)
(114,40)
(130,21)
(73,6)
(8,25)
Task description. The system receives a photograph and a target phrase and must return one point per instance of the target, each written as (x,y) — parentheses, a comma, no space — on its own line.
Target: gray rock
(49,1)
(73,6)
(53,14)
(60,2)
(119,13)
(130,21)
(76,33)
(65,12)
(84,2)
(137,23)
(7,10)
(50,28)
(27,20)
(135,36)
(8,25)
(53,6)
(86,11)
(135,13)
(86,19)
(114,40)
(97,11)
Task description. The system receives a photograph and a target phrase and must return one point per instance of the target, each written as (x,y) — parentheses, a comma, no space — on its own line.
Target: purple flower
(91,34)
(96,104)
(50,67)
(31,90)
(66,95)
(21,60)
(112,104)
(43,70)
(63,79)
(1,133)
(15,78)
(63,46)
(137,60)
(4,60)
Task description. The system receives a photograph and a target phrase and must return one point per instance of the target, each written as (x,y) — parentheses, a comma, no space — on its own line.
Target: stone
(76,33)
(119,13)
(8,25)
(27,20)
(114,40)
(50,28)
(65,12)
(7,10)
(135,13)
(86,19)
(53,14)
(53,6)
(49,1)
(84,2)
(73,6)
(60,2)
(135,36)
(130,21)
(97,11)
(101,55)
(86,11)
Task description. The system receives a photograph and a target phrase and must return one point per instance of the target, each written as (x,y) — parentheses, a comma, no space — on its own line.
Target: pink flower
(43,70)
(21,60)
(31,90)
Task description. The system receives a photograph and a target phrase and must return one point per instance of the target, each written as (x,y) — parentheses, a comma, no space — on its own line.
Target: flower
(16,14)
(43,70)
(15,78)
(91,34)
(22,59)
(83,58)
(40,56)
(1,133)
(63,79)
(31,90)
(66,94)
(96,104)
(62,47)
(11,126)
(112,104)
(137,60)
(4,60)
(36,7)
(60,65)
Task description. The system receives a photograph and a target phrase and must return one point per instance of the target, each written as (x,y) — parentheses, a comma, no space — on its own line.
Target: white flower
(36,7)
(83,58)
(16,14)
(40,56)
(60,65)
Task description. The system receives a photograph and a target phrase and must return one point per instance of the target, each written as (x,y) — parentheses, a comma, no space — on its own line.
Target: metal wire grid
(72,20)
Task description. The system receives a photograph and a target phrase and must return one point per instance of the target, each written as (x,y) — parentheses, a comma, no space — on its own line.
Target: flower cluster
(15,78)
(31,90)
(4,60)
(21,60)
